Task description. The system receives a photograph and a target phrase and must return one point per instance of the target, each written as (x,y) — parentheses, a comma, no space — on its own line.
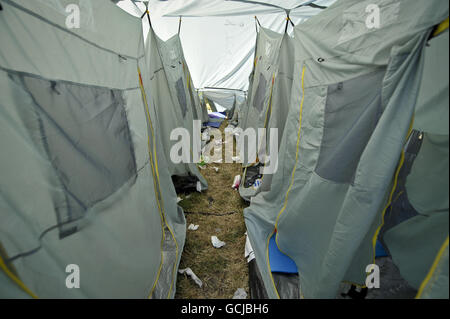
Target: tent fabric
(280,99)
(277,109)
(218,8)
(332,122)
(225,98)
(209,105)
(262,81)
(225,61)
(237,113)
(172,98)
(426,184)
(84,180)
(435,285)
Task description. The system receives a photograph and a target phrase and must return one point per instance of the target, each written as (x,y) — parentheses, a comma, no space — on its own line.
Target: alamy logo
(251,146)
(73,17)
(73,279)
(373,276)
(373,19)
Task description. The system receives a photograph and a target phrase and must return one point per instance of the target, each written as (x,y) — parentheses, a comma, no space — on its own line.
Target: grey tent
(233,114)
(354,93)
(174,100)
(199,111)
(203,109)
(415,226)
(268,103)
(84,182)
(208,104)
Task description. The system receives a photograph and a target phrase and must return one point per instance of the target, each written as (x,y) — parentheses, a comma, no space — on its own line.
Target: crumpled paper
(193,227)
(240,294)
(217,242)
(190,273)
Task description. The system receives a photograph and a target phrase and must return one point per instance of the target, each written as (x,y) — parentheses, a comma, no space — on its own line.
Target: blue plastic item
(379,250)
(214,124)
(279,262)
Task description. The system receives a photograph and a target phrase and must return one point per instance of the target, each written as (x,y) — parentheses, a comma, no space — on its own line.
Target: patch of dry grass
(225,269)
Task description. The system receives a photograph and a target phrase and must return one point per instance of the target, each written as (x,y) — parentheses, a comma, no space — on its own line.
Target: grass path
(225,269)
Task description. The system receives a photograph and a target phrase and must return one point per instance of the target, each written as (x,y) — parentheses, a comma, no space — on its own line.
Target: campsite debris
(236,159)
(211,214)
(202,162)
(257,183)
(179,199)
(199,187)
(217,243)
(219,161)
(249,254)
(215,168)
(205,160)
(240,294)
(236,182)
(190,273)
(193,227)
(210,201)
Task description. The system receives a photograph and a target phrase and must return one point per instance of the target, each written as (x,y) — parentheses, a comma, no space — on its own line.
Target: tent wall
(262,79)
(352,101)
(223,97)
(417,242)
(71,99)
(171,98)
(260,97)
(278,107)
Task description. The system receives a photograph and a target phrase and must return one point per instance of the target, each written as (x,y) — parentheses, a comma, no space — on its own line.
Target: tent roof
(208,8)
(218,36)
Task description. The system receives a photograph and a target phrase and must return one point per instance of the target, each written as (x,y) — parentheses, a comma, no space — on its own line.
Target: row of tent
(362,119)
(86,177)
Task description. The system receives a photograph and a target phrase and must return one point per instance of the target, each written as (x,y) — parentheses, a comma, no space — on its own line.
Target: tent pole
(287,23)
(257,24)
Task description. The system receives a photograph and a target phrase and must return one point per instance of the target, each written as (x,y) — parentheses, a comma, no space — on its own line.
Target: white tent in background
(218,36)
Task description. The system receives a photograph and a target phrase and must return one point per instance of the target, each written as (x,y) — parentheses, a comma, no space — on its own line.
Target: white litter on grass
(216,168)
(236,182)
(249,254)
(199,187)
(190,273)
(193,227)
(240,294)
(217,242)
(179,199)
